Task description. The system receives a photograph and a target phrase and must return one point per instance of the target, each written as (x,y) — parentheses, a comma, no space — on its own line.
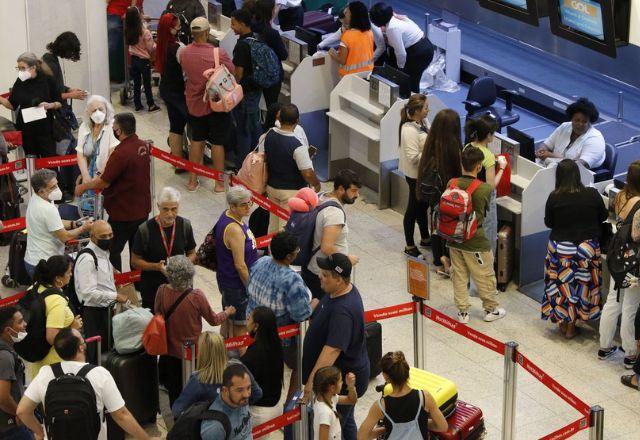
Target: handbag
(61,127)
(154,338)
(253,172)
(206,253)
(70,117)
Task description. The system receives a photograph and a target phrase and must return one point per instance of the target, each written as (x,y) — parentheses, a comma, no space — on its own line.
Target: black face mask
(104,244)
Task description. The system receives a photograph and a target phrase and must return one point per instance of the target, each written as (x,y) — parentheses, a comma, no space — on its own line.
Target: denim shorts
(238,298)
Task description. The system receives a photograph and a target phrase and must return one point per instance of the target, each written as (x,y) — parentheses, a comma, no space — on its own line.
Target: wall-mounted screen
(528,11)
(601,25)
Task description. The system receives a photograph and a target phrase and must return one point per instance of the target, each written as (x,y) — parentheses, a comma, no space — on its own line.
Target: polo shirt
(286,157)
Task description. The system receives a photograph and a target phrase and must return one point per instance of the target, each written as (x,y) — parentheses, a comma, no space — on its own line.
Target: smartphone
(312,151)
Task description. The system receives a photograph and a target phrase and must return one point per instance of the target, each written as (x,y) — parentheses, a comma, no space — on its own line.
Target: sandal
(627,381)
(193,188)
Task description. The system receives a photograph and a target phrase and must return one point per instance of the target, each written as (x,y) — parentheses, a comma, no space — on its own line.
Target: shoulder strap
(220,417)
(384,413)
(49,291)
(90,252)
(177,303)
(473,186)
(144,234)
(421,398)
(57,369)
(216,57)
(453,183)
(334,204)
(629,218)
(186,228)
(85,370)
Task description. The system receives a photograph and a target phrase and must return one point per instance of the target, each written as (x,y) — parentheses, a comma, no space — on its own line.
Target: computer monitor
(395,76)
(528,11)
(527,143)
(311,36)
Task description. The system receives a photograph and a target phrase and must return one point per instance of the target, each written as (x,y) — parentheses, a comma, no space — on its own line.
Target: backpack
(264,63)
(430,188)
(222,91)
(70,408)
(454,217)
(188,425)
(253,172)
(70,290)
(154,338)
(623,253)
(303,226)
(35,347)
(206,253)
(143,229)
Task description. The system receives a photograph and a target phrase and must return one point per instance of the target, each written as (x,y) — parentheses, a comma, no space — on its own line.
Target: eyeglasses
(248,204)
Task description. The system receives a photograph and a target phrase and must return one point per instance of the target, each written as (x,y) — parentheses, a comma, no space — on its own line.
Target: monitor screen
(583,16)
(522,4)
(527,143)
(310,36)
(528,11)
(395,76)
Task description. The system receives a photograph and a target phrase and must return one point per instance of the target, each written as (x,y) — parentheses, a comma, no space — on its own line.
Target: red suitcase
(466,423)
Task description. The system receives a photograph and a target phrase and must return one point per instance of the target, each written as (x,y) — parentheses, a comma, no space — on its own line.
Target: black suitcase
(9,200)
(17,272)
(114,431)
(136,376)
(373,335)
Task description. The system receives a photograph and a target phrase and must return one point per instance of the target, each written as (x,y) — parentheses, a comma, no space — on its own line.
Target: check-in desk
(221,32)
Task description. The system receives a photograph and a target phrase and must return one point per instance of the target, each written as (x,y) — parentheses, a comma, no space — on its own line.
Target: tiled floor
(376,237)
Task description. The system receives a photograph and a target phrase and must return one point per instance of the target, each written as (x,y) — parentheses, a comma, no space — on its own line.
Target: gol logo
(581,6)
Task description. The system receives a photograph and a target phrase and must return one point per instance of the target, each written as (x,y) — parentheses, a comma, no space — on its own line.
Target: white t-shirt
(412,139)
(107,394)
(329,216)
(43,219)
(589,147)
(325,415)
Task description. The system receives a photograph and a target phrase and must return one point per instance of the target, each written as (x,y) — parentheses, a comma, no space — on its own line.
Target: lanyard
(168,248)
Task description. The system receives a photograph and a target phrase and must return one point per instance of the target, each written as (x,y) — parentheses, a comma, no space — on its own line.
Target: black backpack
(35,347)
(187,427)
(623,255)
(430,188)
(70,290)
(70,408)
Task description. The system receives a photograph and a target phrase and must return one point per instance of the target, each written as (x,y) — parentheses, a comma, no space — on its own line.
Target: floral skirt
(572,280)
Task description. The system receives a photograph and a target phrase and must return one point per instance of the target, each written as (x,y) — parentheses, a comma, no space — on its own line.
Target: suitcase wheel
(7,281)
(502,287)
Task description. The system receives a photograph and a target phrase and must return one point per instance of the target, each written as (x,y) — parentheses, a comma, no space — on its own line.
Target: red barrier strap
(569,430)
(10,167)
(11,300)
(286,331)
(127,277)
(13,137)
(552,384)
(274,424)
(6,95)
(265,240)
(464,330)
(262,201)
(15,224)
(56,161)
(389,312)
(179,162)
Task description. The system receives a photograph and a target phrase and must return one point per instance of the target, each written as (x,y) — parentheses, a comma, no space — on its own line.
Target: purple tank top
(227,275)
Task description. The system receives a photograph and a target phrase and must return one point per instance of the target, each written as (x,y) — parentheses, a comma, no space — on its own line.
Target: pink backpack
(222,91)
(253,172)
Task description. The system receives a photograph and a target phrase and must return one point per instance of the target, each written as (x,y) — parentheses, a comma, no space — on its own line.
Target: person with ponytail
(413,135)
(54,274)
(479,133)
(171,81)
(406,413)
(327,386)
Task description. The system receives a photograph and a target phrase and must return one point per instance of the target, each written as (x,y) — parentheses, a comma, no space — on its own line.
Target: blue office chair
(606,170)
(481,100)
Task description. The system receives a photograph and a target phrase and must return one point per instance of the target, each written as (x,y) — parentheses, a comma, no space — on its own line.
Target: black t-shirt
(242,58)
(172,81)
(268,370)
(58,77)
(339,323)
(575,216)
(153,251)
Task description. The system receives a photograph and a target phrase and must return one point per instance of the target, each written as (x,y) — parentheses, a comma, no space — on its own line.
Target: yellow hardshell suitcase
(443,390)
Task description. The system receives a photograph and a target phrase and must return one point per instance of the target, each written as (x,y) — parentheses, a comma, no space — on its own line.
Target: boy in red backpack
(473,258)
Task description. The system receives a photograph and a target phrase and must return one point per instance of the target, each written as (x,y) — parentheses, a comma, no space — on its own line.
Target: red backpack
(454,217)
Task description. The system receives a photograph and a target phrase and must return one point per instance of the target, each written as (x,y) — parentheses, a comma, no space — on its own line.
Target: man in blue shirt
(273,284)
(336,335)
(234,403)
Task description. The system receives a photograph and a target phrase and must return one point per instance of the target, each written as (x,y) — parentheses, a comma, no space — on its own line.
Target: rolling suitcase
(136,376)
(466,423)
(17,272)
(443,390)
(373,336)
(504,257)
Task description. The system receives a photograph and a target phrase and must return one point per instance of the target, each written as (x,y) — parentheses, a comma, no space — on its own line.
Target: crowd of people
(262,292)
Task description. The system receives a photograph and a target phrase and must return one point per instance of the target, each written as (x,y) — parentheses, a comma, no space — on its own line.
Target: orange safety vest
(359,51)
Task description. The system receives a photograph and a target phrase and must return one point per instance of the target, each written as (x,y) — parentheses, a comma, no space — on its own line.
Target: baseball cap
(200,24)
(338,263)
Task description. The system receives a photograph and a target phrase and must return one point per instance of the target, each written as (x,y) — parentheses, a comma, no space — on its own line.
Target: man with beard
(330,234)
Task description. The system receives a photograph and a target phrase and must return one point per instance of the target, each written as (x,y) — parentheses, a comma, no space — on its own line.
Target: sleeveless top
(359,51)
(405,417)
(227,275)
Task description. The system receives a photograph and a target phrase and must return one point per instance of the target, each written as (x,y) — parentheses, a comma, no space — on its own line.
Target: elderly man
(158,239)
(46,231)
(95,286)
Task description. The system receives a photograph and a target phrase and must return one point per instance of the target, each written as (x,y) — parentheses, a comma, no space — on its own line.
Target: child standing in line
(327,383)
(142,50)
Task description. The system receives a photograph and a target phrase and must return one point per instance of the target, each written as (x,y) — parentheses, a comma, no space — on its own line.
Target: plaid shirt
(279,288)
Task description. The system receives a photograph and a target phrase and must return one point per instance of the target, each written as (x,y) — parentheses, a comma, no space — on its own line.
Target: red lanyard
(169,248)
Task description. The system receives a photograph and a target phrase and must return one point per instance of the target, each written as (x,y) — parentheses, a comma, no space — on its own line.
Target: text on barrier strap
(179,162)
(552,384)
(274,424)
(10,167)
(127,277)
(265,240)
(463,330)
(12,300)
(568,431)
(56,161)
(286,331)
(14,224)
(389,312)
(262,201)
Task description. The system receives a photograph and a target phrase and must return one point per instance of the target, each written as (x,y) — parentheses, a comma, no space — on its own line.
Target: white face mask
(98,117)
(55,195)
(24,75)
(20,337)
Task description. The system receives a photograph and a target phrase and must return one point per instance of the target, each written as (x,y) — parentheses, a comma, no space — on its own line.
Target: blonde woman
(205,383)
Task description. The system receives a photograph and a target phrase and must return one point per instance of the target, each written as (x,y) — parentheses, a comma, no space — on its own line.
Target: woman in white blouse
(413,134)
(333,40)
(96,140)
(577,139)
(413,51)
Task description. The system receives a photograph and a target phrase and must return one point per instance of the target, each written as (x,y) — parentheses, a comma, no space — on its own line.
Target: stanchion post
(30,163)
(596,423)
(510,381)
(302,426)
(152,180)
(188,365)
(418,334)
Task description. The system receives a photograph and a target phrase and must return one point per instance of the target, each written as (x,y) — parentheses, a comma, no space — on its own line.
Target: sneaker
(138,108)
(495,315)
(463,317)
(153,108)
(606,354)
(413,252)
(629,362)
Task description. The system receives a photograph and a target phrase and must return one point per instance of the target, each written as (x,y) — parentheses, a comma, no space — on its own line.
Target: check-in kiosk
(221,32)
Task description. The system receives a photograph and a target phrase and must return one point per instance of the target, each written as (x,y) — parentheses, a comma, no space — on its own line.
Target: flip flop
(626,381)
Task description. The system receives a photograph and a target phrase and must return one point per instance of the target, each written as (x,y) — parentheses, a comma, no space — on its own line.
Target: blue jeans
(115,36)
(347,421)
(20,433)
(249,129)
(238,298)
(30,269)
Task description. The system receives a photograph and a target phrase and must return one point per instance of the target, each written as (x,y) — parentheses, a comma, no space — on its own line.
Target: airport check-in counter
(221,32)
